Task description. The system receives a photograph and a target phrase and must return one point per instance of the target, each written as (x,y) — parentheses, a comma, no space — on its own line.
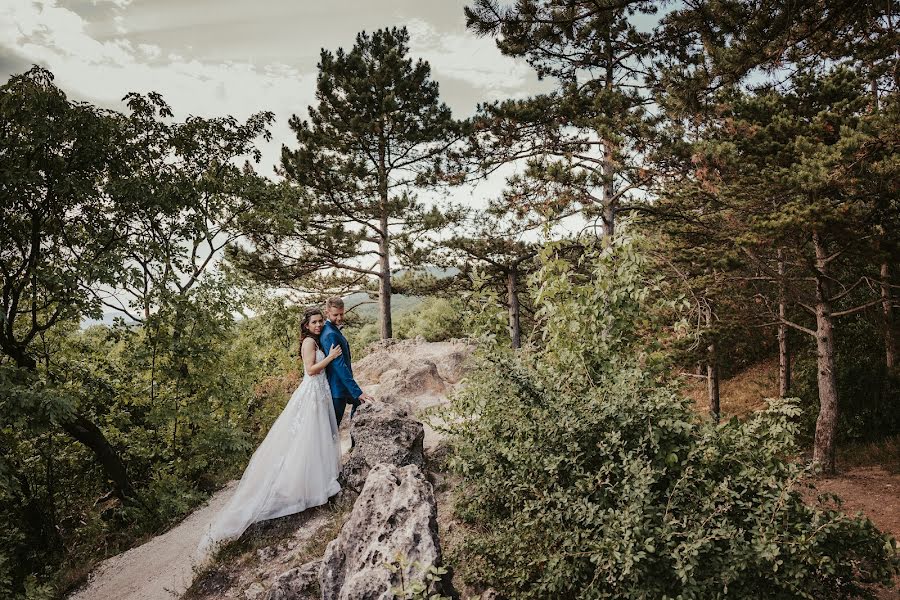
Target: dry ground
(868,478)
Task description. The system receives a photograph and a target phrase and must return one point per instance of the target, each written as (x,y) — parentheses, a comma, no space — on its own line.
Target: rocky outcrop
(382,433)
(391,532)
(415,379)
(385,359)
(297,584)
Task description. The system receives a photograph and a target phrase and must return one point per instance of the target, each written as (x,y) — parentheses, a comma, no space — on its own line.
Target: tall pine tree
(377,136)
(585,143)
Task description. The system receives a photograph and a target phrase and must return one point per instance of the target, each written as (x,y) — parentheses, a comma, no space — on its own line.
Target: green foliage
(111,433)
(60,232)
(585,475)
(360,336)
(435,319)
(422,589)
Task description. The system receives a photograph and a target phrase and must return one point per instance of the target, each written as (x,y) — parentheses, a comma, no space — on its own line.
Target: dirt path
(159,569)
(871,490)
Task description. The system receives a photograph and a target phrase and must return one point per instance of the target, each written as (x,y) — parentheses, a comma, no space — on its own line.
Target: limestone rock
(297,584)
(395,515)
(417,378)
(451,366)
(382,433)
(371,369)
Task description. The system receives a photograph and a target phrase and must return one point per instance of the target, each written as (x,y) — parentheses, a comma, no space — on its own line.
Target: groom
(339,372)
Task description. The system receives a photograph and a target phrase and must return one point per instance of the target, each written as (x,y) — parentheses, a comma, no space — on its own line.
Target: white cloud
(475,60)
(57,38)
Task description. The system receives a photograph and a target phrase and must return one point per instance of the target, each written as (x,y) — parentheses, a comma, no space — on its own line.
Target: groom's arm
(341,368)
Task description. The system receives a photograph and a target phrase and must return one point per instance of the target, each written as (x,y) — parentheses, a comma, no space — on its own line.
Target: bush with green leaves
(435,319)
(586,475)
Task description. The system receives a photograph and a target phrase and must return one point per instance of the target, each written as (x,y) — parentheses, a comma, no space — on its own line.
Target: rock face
(296,584)
(395,515)
(415,379)
(385,359)
(382,433)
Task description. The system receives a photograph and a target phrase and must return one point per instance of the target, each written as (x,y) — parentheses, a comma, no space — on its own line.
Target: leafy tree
(348,208)
(181,188)
(436,319)
(630,496)
(61,236)
(94,206)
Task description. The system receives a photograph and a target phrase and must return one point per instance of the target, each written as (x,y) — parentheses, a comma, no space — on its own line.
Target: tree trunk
(512,292)
(712,385)
(784,353)
(890,344)
(384,286)
(90,435)
(609,205)
(84,431)
(384,246)
(712,372)
(826,423)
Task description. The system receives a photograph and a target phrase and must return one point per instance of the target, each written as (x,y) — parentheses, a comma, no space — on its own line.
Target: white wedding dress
(295,468)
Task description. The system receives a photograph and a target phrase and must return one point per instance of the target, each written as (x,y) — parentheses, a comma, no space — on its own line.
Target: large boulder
(382,433)
(451,364)
(417,378)
(370,369)
(297,584)
(391,533)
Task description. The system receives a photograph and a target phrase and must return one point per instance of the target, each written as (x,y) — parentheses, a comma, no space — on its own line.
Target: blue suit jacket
(339,371)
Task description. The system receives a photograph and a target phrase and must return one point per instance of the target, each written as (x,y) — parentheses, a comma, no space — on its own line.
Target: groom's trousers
(340,404)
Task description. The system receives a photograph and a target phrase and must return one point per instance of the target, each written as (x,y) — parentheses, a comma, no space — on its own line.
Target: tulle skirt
(295,468)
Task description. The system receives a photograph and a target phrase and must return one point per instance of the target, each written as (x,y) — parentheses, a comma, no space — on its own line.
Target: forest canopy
(702,187)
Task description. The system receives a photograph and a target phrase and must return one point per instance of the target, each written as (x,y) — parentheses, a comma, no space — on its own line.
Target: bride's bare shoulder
(308,344)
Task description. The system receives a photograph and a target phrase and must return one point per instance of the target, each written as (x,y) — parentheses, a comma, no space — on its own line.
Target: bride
(296,466)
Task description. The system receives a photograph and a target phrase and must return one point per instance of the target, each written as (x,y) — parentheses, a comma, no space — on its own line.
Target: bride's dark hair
(308,314)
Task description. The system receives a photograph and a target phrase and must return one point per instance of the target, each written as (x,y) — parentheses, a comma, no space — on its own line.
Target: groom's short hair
(334,302)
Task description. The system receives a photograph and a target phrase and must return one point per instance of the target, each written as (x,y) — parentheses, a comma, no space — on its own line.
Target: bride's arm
(308,352)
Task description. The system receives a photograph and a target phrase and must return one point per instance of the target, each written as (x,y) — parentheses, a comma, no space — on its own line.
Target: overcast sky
(217,57)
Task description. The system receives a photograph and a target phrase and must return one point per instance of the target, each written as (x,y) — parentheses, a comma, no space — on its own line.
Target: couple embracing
(296,466)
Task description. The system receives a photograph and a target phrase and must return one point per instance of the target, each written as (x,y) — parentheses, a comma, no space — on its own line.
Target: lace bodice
(320,356)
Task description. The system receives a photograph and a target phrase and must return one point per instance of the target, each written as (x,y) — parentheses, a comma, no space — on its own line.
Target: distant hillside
(400,304)
(368,308)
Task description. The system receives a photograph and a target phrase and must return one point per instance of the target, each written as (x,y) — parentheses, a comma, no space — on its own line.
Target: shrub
(435,319)
(585,475)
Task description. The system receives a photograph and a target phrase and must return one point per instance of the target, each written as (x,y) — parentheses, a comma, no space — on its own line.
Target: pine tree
(496,251)
(792,106)
(781,189)
(378,134)
(585,143)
